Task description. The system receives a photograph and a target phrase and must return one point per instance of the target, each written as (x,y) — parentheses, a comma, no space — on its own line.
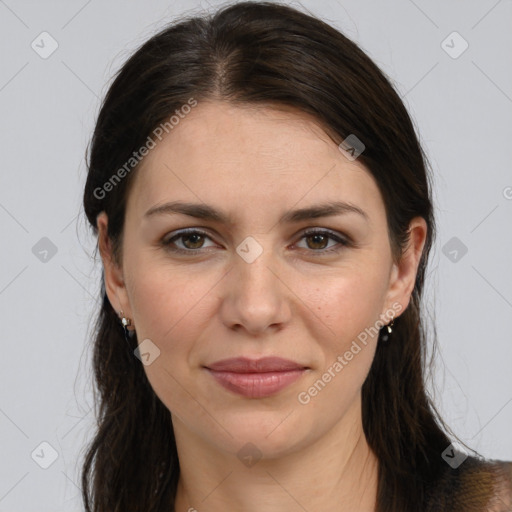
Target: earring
(127,322)
(385,336)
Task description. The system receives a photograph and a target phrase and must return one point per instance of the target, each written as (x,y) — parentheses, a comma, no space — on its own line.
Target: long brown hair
(267,54)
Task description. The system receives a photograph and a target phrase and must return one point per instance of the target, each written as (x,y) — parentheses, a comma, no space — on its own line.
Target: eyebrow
(206,212)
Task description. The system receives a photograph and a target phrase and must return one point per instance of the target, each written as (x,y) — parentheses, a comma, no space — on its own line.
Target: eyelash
(342,241)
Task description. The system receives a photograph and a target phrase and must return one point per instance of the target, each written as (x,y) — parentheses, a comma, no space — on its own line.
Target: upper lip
(265,364)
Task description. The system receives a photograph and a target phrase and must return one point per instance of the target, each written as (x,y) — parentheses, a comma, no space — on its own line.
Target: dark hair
(264,54)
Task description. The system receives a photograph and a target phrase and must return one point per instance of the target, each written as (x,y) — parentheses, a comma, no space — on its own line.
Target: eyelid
(167,240)
(341,239)
(325,231)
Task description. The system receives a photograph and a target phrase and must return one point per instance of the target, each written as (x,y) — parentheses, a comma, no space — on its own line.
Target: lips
(264,365)
(256,378)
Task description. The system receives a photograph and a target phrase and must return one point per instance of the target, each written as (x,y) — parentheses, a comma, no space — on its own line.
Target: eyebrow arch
(206,212)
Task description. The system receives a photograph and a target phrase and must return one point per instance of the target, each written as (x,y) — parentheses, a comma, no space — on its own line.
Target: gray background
(462,105)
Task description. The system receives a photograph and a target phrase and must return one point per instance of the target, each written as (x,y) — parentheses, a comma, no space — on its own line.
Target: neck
(337,472)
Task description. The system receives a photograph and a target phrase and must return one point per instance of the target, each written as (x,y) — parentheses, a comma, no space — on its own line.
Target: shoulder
(477,485)
(502,496)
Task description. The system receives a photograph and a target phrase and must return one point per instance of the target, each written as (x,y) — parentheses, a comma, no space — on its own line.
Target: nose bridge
(253,266)
(256,296)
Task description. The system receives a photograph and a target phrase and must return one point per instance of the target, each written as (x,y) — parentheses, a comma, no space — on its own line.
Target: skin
(255,164)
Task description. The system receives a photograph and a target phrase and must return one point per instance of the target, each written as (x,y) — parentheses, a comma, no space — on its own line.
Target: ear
(403,273)
(114,282)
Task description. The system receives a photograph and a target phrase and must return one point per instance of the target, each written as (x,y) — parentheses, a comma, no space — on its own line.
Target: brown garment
(477,485)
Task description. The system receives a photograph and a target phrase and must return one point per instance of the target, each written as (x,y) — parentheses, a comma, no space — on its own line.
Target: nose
(255,296)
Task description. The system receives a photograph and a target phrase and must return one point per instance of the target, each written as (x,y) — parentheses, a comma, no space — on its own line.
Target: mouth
(256,378)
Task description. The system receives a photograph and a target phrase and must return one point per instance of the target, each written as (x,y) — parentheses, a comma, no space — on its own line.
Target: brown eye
(194,241)
(317,242)
(189,241)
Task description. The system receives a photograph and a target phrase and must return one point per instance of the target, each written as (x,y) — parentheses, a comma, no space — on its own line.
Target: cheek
(348,302)
(165,298)
(173,306)
(171,309)
(350,306)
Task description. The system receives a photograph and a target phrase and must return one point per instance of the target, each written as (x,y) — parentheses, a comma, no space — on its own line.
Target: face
(258,281)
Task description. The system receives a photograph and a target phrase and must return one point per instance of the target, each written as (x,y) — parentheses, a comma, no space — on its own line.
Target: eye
(192,241)
(320,237)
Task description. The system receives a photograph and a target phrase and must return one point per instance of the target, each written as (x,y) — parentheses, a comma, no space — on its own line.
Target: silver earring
(127,322)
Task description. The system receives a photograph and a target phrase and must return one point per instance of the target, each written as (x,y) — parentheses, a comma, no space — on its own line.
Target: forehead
(231,155)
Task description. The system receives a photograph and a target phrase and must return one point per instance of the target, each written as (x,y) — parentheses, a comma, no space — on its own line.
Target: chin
(274,435)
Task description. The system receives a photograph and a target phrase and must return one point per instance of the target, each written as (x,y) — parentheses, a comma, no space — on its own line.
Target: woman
(264,219)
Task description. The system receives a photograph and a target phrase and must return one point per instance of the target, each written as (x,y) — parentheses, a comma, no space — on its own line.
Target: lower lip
(256,385)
